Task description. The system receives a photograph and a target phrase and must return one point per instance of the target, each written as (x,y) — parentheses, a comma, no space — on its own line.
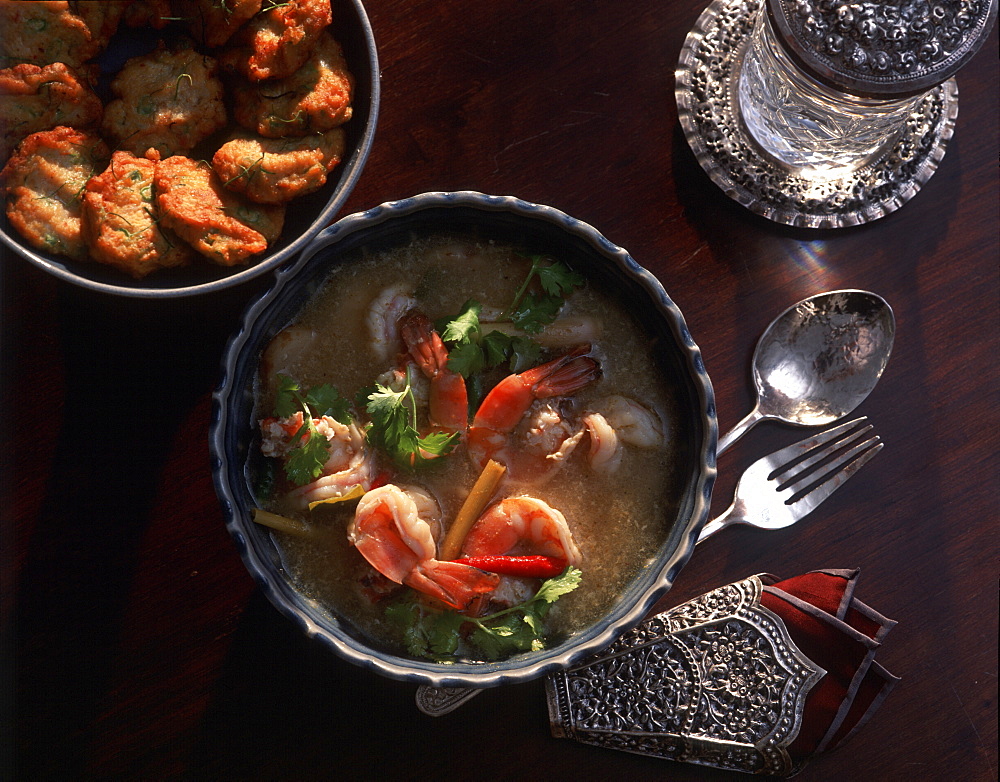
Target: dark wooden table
(136,646)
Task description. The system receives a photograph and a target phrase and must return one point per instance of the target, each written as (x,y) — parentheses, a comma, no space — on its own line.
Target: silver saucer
(709,116)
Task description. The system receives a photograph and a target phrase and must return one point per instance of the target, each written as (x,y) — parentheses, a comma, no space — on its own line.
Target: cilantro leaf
(318,401)
(393,428)
(326,400)
(437,443)
(536,312)
(520,628)
(443,636)
(389,417)
(465,326)
(309,449)
(305,463)
(509,634)
(470,352)
(389,407)
(466,358)
(286,403)
(496,347)
(532,312)
(554,588)
(558,279)
(407,616)
(473,352)
(490,643)
(437,635)
(432,634)
(463,336)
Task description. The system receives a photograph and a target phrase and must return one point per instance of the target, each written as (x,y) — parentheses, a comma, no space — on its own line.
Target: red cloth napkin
(841,634)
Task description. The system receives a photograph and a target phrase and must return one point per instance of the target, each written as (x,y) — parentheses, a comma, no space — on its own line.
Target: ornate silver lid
(882,49)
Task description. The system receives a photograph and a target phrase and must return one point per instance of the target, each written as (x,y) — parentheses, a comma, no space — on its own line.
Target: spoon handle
(734,434)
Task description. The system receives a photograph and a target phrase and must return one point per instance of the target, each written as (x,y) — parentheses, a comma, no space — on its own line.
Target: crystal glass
(822,132)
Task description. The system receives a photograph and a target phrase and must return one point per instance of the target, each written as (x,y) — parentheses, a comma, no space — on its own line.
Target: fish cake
(279,40)
(119,220)
(212,22)
(220,225)
(39,97)
(101,17)
(49,31)
(316,99)
(274,171)
(168,100)
(148,13)
(43,183)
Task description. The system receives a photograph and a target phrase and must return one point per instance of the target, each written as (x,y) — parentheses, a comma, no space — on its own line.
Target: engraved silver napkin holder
(716,681)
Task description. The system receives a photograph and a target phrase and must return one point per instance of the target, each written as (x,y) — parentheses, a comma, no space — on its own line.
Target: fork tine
(834,481)
(803,474)
(791,471)
(779,459)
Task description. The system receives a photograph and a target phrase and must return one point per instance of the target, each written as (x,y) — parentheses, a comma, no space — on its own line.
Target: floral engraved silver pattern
(884,47)
(708,110)
(437,701)
(715,681)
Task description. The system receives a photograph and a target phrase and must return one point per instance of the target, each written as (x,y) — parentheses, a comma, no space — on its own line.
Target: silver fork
(779,489)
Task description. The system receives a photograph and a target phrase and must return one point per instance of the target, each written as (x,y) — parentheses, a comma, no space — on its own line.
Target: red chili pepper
(527,566)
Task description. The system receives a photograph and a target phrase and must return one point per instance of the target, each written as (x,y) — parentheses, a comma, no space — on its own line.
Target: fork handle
(719,522)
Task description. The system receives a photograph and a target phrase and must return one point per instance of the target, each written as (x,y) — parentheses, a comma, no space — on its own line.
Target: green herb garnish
(437,635)
(393,427)
(470,351)
(532,312)
(309,450)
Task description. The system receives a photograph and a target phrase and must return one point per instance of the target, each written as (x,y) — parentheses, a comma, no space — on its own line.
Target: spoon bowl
(819,360)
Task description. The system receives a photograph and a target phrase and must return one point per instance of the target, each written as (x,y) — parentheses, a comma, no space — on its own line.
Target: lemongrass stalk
(473,507)
(284,524)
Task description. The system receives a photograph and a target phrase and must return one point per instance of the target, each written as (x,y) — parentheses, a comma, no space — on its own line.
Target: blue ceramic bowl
(306,216)
(508,220)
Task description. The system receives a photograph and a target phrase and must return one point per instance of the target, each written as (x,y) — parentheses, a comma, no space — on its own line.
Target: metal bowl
(507,220)
(305,217)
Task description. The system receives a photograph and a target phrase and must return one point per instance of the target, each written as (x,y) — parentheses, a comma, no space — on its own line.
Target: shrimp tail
(418,335)
(449,401)
(565,375)
(454,584)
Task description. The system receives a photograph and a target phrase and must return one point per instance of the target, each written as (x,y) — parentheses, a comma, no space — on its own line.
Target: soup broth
(618,519)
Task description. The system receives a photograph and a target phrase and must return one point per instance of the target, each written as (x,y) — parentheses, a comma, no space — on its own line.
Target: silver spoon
(819,360)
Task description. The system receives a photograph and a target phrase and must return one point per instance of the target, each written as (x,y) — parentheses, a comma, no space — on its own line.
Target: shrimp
(605,454)
(518,526)
(549,440)
(620,420)
(396,529)
(522,526)
(449,400)
(285,351)
(505,406)
(636,424)
(383,318)
(350,463)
